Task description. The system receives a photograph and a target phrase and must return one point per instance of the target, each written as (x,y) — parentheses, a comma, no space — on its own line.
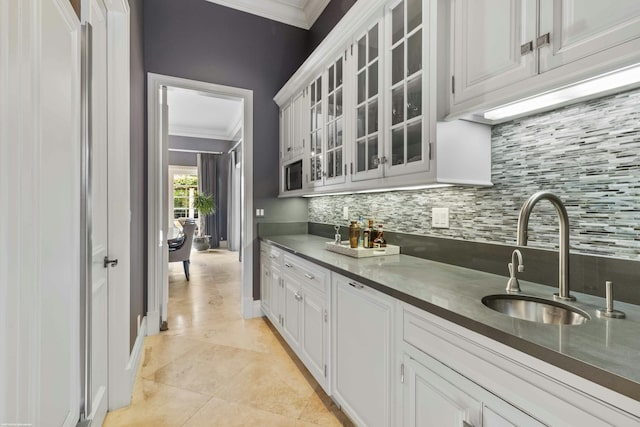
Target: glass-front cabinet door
(408,111)
(367,160)
(315,154)
(335,168)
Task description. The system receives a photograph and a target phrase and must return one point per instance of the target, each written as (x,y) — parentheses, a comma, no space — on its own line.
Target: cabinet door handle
(298,296)
(543,40)
(286,264)
(526,48)
(356,285)
(309,276)
(273,256)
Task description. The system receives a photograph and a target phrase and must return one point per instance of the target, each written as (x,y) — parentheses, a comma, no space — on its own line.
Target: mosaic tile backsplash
(588,154)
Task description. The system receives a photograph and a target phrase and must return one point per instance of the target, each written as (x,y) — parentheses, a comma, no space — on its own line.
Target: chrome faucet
(523,226)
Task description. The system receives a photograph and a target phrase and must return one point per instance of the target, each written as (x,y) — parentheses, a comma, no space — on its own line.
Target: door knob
(112,262)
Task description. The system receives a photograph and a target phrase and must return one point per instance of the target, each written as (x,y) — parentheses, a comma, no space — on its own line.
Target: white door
(39,213)
(164,191)
(94,12)
(581,28)
(494,45)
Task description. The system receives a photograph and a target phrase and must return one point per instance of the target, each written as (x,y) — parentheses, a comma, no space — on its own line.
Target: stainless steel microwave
(293,176)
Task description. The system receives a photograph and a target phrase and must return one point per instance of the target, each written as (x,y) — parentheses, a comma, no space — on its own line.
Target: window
(184,182)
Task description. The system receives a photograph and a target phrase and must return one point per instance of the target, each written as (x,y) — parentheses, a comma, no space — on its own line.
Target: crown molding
(199,132)
(314,9)
(279,10)
(337,40)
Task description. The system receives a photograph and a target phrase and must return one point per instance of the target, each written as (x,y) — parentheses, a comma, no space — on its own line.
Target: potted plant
(205,205)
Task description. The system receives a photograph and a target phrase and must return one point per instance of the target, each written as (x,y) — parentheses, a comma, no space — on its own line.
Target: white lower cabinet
(430,400)
(296,298)
(388,363)
(435,395)
(362,351)
(315,335)
(291,311)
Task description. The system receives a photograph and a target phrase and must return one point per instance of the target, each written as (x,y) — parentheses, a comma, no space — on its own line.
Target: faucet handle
(609,311)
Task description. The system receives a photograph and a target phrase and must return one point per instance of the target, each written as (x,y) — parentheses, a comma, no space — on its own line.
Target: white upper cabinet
(334,169)
(507,50)
(299,125)
(367,74)
(285,132)
(326,155)
(410,44)
(372,106)
(493,45)
(293,128)
(316,134)
(580,28)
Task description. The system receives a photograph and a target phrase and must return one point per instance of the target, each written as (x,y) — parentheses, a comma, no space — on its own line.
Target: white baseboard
(153,323)
(136,353)
(251,309)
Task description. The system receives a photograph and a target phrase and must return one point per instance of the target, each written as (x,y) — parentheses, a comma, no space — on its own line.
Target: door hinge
(352,49)
(431,151)
(351,168)
(402,373)
(453,84)
(326,316)
(325,371)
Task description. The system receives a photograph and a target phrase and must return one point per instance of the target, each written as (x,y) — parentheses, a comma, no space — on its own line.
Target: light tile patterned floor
(212,368)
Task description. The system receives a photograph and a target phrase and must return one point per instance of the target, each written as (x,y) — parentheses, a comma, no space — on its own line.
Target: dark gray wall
(183,158)
(198,40)
(138,169)
(328,19)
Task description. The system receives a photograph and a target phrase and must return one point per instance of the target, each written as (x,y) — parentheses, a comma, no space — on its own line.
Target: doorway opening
(239,161)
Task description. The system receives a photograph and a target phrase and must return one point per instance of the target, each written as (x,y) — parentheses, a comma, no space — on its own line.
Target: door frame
(122,359)
(155,242)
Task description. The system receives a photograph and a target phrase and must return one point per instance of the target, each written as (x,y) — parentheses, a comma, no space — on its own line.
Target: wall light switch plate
(440,217)
(345,212)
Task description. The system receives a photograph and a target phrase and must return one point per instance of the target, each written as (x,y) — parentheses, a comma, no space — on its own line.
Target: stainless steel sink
(536,309)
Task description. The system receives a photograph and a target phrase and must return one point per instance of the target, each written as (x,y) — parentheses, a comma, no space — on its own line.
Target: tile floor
(212,368)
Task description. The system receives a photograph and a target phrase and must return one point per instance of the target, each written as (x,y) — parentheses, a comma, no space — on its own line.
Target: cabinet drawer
(270,252)
(307,273)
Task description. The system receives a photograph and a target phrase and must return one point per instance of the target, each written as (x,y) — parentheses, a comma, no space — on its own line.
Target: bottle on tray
(379,241)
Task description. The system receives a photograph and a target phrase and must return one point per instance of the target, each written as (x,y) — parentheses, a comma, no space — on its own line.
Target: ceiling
(201,115)
(299,13)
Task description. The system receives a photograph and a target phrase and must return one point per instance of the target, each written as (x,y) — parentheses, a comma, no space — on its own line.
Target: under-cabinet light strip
(600,84)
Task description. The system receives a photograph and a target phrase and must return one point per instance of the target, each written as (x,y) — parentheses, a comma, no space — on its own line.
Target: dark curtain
(222,195)
(208,183)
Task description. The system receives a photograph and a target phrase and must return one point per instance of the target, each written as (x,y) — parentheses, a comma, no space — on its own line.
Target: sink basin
(536,309)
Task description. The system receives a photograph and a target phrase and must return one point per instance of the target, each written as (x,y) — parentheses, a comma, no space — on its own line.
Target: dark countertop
(605,351)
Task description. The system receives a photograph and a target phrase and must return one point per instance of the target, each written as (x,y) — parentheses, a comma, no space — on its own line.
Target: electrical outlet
(440,217)
(345,212)
(259,212)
